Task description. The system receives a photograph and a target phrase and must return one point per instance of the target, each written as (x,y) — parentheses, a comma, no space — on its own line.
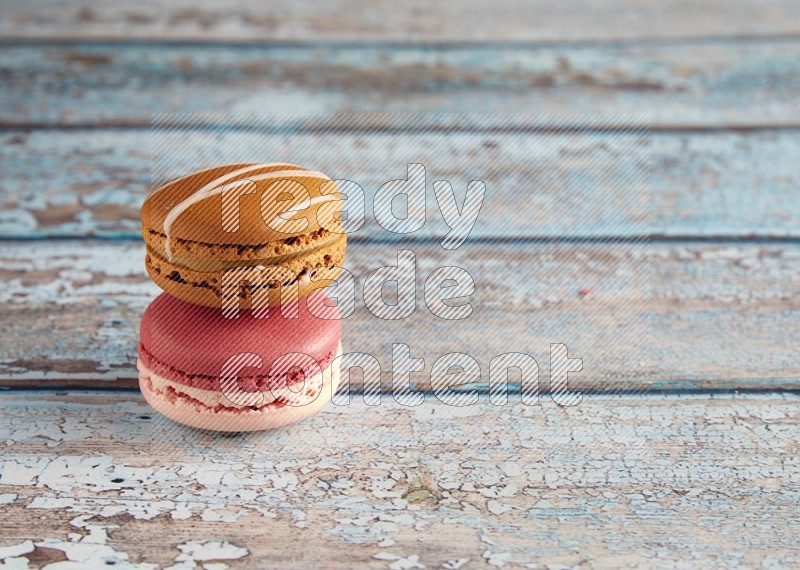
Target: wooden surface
(648,324)
(656,481)
(718,184)
(689,459)
(696,84)
(416,20)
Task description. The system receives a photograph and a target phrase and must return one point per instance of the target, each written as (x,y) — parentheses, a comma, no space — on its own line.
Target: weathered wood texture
(85,182)
(383,21)
(681,85)
(719,317)
(99,480)
(666,481)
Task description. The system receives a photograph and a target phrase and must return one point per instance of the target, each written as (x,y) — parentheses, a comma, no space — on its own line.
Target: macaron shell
(202,221)
(166,197)
(191,340)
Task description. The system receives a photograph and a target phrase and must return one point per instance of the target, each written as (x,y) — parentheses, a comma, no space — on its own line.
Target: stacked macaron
(243,338)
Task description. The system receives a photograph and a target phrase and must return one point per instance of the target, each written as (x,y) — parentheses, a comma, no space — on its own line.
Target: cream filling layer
(213,265)
(298,394)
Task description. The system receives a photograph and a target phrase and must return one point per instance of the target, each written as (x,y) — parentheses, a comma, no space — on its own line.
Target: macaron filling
(315,265)
(299,393)
(248,382)
(183,249)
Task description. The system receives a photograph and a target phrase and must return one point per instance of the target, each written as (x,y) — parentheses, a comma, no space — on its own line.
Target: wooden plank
(655,481)
(704,84)
(70,310)
(702,184)
(382,21)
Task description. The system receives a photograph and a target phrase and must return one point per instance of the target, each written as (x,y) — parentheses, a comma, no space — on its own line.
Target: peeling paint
(73,314)
(507,486)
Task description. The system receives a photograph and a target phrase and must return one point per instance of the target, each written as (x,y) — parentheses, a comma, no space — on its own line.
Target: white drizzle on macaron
(217,186)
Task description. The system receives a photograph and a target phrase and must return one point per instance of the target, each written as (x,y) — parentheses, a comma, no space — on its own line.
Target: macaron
(244,231)
(202,369)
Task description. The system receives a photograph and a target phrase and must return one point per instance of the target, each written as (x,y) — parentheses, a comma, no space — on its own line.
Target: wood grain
(416,20)
(671,481)
(87,182)
(703,84)
(98,479)
(70,312)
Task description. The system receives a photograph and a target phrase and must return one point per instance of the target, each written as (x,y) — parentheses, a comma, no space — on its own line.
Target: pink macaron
(202,368)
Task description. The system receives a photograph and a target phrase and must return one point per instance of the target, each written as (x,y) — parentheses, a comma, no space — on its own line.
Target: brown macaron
(251,234)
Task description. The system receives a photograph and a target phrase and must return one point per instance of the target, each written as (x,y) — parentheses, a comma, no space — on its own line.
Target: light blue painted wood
(92,182)
(709,478)
(468,21)
(694,84)
(717,318)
